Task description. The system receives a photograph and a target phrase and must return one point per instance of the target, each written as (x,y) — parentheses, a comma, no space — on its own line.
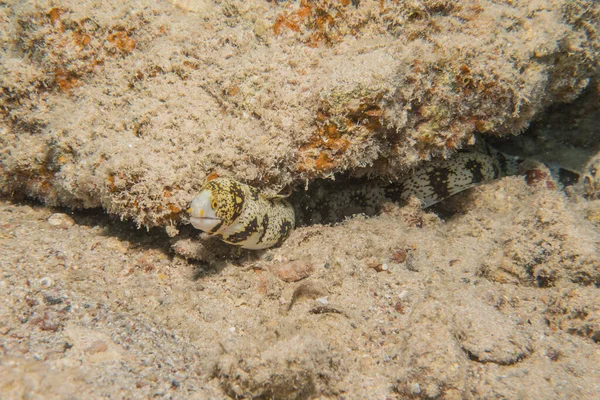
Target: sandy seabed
(500,300)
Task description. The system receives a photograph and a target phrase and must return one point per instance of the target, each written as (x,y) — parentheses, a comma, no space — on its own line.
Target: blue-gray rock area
(129,106)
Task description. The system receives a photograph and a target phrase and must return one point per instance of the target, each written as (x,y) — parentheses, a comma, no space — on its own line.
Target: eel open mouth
(205,223)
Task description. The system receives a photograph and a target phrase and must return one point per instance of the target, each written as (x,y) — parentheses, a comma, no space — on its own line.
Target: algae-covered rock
(129,107)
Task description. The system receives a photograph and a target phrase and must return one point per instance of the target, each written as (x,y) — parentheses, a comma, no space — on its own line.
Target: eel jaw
(205,224)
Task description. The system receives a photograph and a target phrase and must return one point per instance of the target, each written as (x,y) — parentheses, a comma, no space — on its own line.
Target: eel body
(238,214)
(331,201)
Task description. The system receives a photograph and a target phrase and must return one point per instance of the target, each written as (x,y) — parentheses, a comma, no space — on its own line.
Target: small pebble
(60,220)
(399,256)
(322,300)
(374,263)
(293,271)
(46,282)
(97,347)
(553,354)
(52,299)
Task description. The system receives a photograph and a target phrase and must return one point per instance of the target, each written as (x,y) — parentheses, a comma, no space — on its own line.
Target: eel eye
(214,204)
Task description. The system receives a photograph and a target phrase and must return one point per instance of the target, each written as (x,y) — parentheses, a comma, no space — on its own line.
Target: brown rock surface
(129,107)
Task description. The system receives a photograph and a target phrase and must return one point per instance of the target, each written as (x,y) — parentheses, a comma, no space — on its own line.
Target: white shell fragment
(61,220)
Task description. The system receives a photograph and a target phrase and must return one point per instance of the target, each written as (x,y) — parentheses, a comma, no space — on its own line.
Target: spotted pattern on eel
(238,214)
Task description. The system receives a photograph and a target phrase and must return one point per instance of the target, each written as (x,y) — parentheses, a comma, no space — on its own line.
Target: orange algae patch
(174,208)
(334,133)
(122,40)
(65,80)
(317,21)
(63,33)
(54,15)
(319,152)
(323,163)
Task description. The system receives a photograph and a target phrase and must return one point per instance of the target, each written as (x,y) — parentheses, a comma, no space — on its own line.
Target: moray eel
(440,179)
(238,214)
(331,201)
